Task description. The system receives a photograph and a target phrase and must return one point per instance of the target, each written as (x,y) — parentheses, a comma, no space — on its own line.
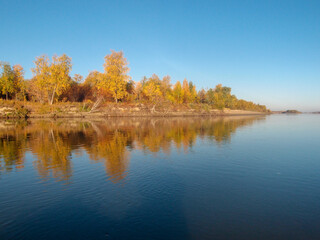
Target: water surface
(156,178)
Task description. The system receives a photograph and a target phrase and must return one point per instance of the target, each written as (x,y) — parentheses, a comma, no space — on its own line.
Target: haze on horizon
(268,52)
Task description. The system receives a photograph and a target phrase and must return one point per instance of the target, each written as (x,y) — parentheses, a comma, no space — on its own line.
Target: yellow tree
(77,78)
(177,93)
(6,79)
(116,77)
(165,86)
(202,96)
(19,84)
(60,78)
(152,91)
(91,84)
(185,91)
(193,92)
(93,78)
(52,78)
(41,77)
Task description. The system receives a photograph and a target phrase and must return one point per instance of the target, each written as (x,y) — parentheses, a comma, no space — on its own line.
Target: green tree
(210,96)
(223,98)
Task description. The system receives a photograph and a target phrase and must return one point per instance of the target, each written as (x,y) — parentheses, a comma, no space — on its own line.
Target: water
(192,178)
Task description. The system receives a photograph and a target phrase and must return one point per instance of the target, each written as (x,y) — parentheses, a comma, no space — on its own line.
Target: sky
(268,52)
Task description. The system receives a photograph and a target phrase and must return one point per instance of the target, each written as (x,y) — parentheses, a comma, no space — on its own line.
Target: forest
(52,83)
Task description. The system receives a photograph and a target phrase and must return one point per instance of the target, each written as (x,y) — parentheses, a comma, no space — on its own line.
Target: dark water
(230,178)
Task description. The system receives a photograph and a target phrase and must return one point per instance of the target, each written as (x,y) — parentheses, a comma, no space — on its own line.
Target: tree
(6,79)
(193,92)
(231,101)
(51,82)
(138,91)
(165,86)
(77,78)
(116,77)
(177,93)
(19,83)
(152,91)
(91,85)
(93,78)
(202,96)
(130,88)
(151,88)
(210,97)
(222,97)
(185,91)
(52,78)
(75,91)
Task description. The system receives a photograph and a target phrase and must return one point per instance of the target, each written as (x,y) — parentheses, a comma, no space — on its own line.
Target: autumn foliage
(52,82)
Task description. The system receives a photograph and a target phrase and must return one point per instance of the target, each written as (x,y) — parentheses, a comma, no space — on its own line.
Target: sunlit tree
(186,91)
(165,86)
(193,92)
(152,89)
(177,93)
(6,79)
(19,83)
(116,75)
(52,78)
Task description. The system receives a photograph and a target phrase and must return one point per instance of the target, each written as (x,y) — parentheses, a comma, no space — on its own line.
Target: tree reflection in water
(54,143)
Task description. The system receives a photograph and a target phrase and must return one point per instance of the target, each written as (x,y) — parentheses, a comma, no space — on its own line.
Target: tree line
(52,82)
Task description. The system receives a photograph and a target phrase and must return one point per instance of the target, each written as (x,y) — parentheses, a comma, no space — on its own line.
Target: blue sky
(266,51)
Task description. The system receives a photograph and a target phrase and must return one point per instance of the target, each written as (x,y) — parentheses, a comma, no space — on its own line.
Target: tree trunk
(97,104)
(52,98)
(153,109)
(6,95)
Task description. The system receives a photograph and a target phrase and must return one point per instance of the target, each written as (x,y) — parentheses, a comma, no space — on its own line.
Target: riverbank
(13,109)
(104,114)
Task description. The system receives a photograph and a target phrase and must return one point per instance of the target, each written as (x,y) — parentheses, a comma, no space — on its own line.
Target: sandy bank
(112,110)
(102,114)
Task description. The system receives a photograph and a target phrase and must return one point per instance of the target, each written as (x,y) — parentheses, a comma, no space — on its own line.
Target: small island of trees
(292,111)
(52,83)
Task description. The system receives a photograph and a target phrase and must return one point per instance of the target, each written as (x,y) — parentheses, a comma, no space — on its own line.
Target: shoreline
(100,115)
(76,110)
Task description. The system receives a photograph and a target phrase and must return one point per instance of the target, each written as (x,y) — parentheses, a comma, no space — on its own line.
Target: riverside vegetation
(52,91)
